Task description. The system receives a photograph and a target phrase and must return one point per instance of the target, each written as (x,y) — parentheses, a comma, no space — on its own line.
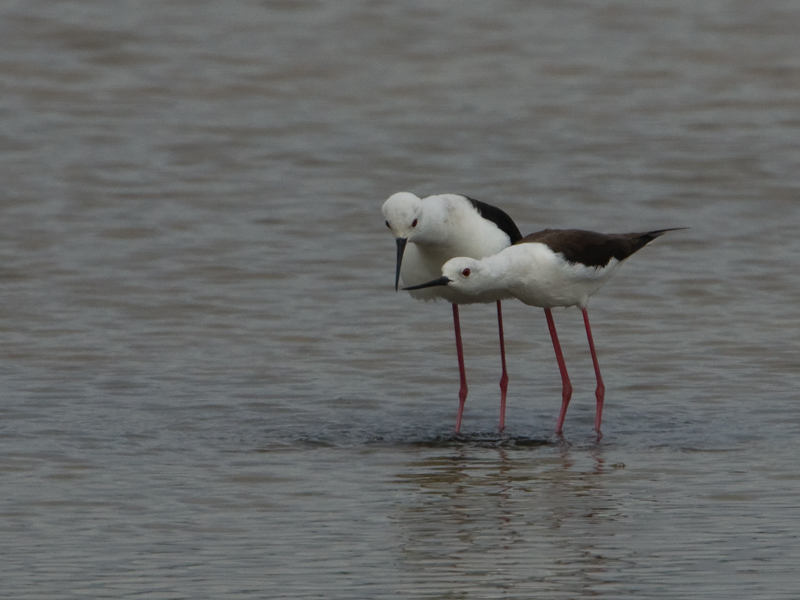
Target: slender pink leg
(566,386)
(504,376)
(600,392)
(462,393)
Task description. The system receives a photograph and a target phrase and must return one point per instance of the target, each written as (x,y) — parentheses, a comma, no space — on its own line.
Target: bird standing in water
(431,231)
(549,268)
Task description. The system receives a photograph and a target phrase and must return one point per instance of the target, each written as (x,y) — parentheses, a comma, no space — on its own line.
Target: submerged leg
(504,376)
(566,386)
(462,392)
(600,392)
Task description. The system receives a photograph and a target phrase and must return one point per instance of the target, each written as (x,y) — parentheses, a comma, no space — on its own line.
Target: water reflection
(508,518)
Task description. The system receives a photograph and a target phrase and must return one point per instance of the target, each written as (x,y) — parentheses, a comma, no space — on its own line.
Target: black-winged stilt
(431,231)
(554,267)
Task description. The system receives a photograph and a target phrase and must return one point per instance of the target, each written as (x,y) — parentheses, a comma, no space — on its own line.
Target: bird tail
(651,235)
(646,238)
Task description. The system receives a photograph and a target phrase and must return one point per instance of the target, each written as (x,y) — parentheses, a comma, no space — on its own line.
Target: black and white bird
(550,268)
(429,232)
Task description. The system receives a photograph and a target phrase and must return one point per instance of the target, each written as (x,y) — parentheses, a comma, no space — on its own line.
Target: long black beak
(401,248)
(443,280)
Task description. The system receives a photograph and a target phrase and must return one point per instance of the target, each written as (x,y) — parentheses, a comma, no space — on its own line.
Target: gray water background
(209,389)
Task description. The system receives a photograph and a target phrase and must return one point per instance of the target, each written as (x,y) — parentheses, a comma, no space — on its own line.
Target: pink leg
(566,386)
(462,393)
(600,392)
(504,376)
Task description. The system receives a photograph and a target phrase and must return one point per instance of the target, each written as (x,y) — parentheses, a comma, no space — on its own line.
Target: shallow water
(211,390)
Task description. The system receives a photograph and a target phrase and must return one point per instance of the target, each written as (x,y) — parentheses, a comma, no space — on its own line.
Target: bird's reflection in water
(527,516)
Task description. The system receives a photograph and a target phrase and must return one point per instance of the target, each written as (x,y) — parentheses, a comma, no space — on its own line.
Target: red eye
(414,223)
(465,272)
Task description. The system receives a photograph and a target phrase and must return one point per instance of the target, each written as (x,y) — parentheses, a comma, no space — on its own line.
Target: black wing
(499,218)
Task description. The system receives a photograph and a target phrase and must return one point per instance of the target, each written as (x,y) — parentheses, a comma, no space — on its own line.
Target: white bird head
(469,277)
(403,214)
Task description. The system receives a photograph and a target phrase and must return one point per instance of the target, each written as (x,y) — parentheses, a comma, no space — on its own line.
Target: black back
(499,218)
(590,248)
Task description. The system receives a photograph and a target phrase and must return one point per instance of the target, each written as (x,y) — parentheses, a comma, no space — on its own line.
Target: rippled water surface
(210,389)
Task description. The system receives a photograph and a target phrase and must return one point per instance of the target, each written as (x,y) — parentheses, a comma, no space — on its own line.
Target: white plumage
(436,229)
(532,273)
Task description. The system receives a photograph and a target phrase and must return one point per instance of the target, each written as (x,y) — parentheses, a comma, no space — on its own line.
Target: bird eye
(387,224)
(465,272)
(414,223)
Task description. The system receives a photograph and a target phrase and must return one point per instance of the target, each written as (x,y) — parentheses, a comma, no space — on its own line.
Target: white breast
(537,276)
